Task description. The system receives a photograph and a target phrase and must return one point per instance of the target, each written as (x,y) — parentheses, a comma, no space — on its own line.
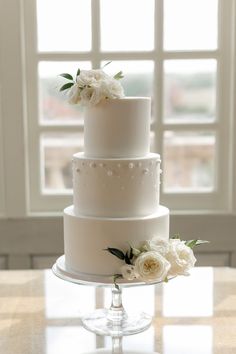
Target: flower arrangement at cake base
(156,260)
(152,261)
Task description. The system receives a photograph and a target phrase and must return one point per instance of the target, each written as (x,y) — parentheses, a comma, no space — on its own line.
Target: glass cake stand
(113,321)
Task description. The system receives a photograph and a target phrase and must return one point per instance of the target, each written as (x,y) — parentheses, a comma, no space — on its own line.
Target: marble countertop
(40,314)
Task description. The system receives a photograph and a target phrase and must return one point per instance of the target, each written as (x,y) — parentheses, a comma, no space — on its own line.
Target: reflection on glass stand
(115,321)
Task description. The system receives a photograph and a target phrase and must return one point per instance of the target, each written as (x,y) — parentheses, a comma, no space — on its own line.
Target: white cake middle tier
(116,187)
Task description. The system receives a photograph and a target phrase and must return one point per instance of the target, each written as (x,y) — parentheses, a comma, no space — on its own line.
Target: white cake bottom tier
(85,239)
(116,187)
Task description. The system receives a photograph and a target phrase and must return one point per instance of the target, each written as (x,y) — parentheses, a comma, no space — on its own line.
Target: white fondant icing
(85,238)
(118,128)
(116,188)
(125,195)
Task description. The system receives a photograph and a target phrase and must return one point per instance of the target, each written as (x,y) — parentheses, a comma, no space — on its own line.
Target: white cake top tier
(118,128)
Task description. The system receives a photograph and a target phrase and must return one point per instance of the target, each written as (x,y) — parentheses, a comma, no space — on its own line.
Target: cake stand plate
(114,321)
(62,271)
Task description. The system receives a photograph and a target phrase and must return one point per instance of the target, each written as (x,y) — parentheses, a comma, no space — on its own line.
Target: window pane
(56,157)
(127,25)
(188,161)
(53,105)
(179,339)
(64,25)
(190,24)
(190,90)
(138,76)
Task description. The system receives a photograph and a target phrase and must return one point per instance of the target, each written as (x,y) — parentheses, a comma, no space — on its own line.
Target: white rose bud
(85,78)
(90,77)
(152,266)
(136,251)
(128,272)
(181,257)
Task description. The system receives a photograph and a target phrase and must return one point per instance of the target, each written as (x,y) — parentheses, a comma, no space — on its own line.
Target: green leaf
(115,277)
(78,72)
(119,75)
(131,253)
(66,86)
(127,258)
(176,236)
(118,253)
(109,62)
(67,76)
(193,243)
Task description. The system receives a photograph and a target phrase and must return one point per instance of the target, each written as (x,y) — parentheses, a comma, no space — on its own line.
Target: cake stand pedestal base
(115,321)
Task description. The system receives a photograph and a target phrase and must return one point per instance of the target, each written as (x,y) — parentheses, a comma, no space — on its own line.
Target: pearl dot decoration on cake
(92,164)
(78,170)
(131,165)
(109,173)
(145,171)
(119,165)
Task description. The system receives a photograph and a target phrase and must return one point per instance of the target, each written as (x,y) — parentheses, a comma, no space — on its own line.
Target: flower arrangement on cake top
(91,86)
(156,260)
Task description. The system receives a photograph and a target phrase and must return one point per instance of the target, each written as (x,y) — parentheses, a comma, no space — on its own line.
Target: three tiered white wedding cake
(115,187)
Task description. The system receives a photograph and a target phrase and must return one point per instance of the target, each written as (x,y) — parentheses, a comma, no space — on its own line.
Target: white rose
(112,88)
(90,77)
(157,244)
(151,266)
(181,258)
(90,96)
(128,272)
(74,94)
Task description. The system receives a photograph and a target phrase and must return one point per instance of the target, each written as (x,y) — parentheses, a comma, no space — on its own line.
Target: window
(186,76)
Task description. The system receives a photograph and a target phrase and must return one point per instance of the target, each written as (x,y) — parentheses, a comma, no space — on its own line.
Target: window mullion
(158,75)
(206,54)
(225,138)
(233,111)
(12,109)
(190,126)
(60,128)
(2,189)
(96,35)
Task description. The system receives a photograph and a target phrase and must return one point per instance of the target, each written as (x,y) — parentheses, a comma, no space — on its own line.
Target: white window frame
(12,92)
(2,191)
(220,200)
